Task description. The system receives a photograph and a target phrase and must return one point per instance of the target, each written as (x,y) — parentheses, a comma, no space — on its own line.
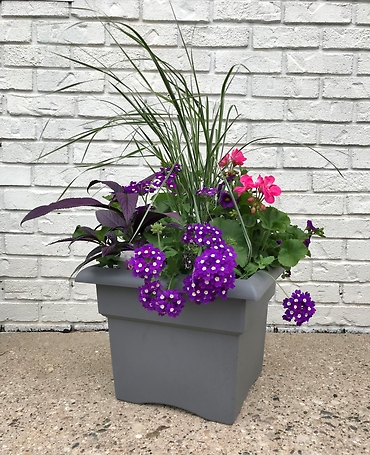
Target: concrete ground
(57,397)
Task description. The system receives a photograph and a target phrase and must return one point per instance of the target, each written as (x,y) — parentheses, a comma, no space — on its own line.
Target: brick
(358,250)
(13,175)
(57,268)
(60,176)
(44,105)
(62,129)
(216,35)
(177,57)
(83,292)
(11,222)
(64,222)
(344,228)
(351,181)
(155,35)
(69,81)
(319,110)
(40,245)
(237,10)
(26,199)
(345,134)
(258,109)
(346,87)
(363,111)
(360,159)
(327,248)
(283,133)
(260,157)
(265,37)
(35,8)
(363,63)
(317,12)
(106,8)
(363,13)
(285,87)
(319,63)
(341,271)
(15,79)
(304,157)
(107,57)
(14,128)
(357,294)
(312,203)
(70,312)
(346,38)
(321,293)
(38,327)
(36,56)
(342,316)
(107,106)
(357,203)
(252,61)
(292,180)
(67,33)
(100,151)
(18,267)
(36,290)
(191,10)
(15,31)
(27,152)
(18,311)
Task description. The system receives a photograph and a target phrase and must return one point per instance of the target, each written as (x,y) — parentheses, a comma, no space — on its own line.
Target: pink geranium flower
(225,160)
(247,182)
(237,157)
(268,188)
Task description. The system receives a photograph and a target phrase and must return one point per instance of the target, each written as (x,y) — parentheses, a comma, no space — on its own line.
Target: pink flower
(268,188)
(225,160)
(237,157)
(247,182)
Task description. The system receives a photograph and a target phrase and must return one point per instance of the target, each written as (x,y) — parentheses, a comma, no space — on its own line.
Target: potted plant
(188,257)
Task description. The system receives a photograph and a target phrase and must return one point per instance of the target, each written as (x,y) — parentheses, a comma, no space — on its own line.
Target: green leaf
(291,252)
(233,235)
(274,220)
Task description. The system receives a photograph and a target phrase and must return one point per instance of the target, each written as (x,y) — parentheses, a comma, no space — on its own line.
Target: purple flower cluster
(213,274)
(148,263)
(202,235)
(168,302)
(207,191)
(150,184)
(299,306)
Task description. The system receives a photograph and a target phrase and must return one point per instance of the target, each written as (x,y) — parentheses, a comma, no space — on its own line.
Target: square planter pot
(203,361)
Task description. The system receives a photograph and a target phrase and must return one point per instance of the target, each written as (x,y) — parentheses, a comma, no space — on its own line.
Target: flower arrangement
(203,220)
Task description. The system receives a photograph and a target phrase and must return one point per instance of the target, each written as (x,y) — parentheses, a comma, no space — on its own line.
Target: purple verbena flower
(175,302)
(148,294)
(299,306)
(207,191)
(202,234)
(148,262)
(213,275)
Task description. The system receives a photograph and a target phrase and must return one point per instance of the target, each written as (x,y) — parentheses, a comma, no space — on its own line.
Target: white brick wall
(308,82)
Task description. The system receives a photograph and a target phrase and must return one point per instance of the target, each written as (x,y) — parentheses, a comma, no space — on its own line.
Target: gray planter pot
(204,361)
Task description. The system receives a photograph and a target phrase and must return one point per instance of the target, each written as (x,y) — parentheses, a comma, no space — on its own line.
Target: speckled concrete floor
(56,397)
